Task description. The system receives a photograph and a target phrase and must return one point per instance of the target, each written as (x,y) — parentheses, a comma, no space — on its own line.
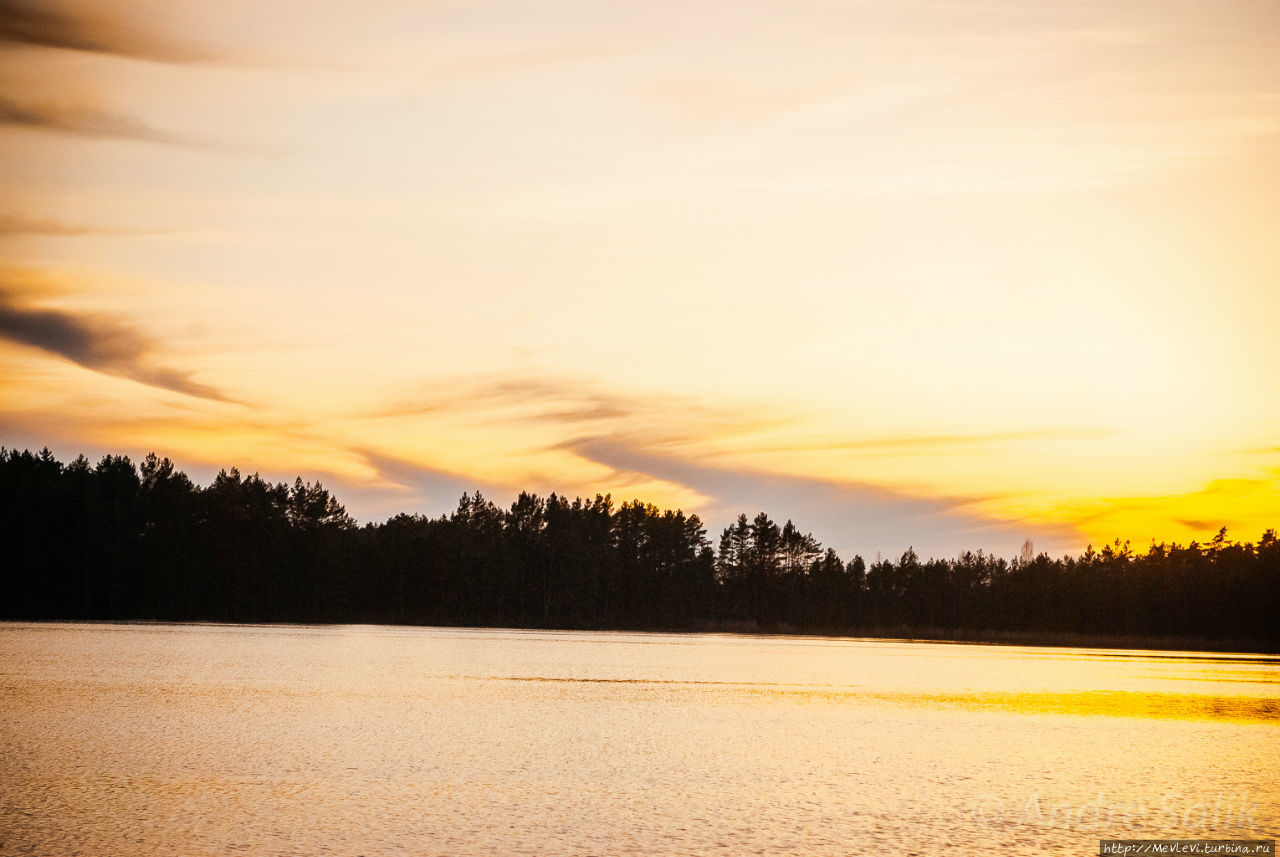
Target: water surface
(207,739)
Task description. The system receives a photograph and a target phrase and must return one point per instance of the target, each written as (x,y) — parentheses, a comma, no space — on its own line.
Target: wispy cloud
(556,399)
(17,224)
(96,342)
(56,25)
(433,487)
(934,443)
(1199,524)
(86,121)
(578,404)
(656,438)
(852,517)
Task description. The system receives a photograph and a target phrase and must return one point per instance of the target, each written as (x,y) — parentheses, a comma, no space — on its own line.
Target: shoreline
(1046,639)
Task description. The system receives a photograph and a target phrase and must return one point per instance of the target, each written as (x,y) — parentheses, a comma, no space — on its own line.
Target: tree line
(121,541)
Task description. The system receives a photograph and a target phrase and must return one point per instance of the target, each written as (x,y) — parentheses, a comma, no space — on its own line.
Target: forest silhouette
(119,541)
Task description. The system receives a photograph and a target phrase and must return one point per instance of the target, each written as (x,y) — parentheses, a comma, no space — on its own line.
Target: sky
(947,274)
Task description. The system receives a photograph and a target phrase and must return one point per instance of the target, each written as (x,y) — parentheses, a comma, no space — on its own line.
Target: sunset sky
(941,273)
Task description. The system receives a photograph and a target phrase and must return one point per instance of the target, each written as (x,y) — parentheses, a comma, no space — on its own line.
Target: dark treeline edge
(115,541)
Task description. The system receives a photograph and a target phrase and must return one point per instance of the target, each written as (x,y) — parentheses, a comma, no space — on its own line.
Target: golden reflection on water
(1111,703)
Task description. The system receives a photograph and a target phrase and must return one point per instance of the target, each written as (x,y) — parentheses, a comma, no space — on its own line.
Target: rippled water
(126,740)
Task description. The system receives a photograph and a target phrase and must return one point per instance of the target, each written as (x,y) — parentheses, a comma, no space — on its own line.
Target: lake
(215,739)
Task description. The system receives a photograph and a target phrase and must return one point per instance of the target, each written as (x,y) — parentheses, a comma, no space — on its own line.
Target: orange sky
(930,273)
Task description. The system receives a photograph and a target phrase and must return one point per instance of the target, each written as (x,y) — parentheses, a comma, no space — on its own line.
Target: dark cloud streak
(96,342)
(85,121)
(46,25)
